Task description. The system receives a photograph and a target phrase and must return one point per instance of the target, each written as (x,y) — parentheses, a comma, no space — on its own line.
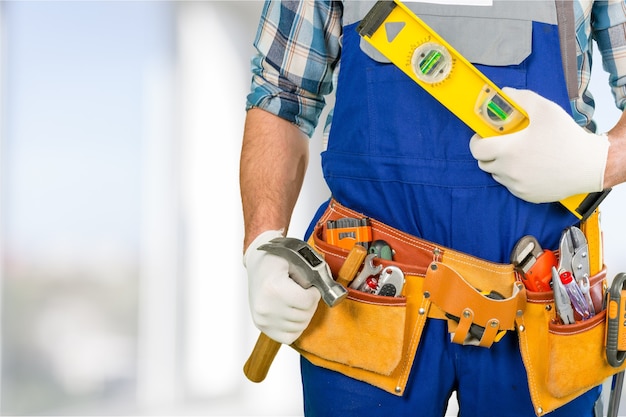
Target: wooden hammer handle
(261,358)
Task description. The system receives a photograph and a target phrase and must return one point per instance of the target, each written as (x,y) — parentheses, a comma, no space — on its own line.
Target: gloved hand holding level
(550,160)
(280,308)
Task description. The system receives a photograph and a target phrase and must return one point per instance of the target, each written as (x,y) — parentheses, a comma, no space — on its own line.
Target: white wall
(215,47)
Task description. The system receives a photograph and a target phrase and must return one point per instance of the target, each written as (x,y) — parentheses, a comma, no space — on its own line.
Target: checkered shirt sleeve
(298,47)
(605,22)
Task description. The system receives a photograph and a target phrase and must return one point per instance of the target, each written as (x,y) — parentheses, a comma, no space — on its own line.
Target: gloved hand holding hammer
(550,160)
(280,307)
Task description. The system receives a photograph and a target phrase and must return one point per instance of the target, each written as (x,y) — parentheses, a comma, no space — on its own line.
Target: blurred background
(121,285)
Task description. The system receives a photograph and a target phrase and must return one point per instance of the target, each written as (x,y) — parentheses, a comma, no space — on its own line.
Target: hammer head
(307,267)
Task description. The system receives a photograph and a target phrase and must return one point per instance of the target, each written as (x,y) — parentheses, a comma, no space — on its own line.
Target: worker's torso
(397,155)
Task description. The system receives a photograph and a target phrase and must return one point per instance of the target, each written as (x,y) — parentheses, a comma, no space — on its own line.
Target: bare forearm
(615,172)
(273,163)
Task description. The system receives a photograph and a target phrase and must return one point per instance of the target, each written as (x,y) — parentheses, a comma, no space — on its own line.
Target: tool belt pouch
(367,337)
(474,316)
(375,338)
(563,361)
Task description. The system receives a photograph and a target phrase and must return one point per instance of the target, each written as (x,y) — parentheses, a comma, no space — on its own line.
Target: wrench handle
(261,358)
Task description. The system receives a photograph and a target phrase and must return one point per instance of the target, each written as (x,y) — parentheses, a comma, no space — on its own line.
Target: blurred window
(83,88)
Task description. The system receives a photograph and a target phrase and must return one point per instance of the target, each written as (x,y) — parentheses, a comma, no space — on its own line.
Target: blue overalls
(400,157)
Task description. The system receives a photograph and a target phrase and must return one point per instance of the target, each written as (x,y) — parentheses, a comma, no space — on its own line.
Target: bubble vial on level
(498,109)
(431,62)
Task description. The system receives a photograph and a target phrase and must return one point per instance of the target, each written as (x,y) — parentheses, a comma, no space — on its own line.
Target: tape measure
(415,48)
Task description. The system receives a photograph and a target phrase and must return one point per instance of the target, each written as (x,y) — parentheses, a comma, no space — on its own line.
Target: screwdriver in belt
(351,265)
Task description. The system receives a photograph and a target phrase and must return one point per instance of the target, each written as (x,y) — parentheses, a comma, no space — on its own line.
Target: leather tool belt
(562,361)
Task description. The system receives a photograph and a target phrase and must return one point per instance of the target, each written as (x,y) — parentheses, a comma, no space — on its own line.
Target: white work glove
(280,307)
(551,159)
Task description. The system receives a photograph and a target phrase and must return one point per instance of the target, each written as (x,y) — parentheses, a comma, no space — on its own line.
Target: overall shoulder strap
(567,35)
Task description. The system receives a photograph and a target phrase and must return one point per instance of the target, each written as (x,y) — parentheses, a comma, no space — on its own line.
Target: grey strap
(567,35)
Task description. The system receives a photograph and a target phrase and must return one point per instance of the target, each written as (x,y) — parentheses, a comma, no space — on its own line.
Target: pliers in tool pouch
(574,258)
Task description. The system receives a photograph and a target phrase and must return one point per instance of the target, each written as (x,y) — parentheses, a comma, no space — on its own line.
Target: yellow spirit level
(403,38)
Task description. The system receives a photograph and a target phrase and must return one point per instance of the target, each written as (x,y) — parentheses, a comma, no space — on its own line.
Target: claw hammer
(308,269)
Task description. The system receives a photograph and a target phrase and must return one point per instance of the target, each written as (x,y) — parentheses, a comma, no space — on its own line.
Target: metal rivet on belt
(398,389)
(522,328)
(539,410)
(466,314)
(520,313)
(493,323)
(426,294)
(548,307)
(421,311)
(433,267)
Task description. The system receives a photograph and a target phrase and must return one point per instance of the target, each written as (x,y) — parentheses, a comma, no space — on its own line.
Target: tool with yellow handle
(616,325)
(351,265)
(409,43)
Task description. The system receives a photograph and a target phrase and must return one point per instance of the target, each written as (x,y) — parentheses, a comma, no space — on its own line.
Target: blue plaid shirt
(298,44)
